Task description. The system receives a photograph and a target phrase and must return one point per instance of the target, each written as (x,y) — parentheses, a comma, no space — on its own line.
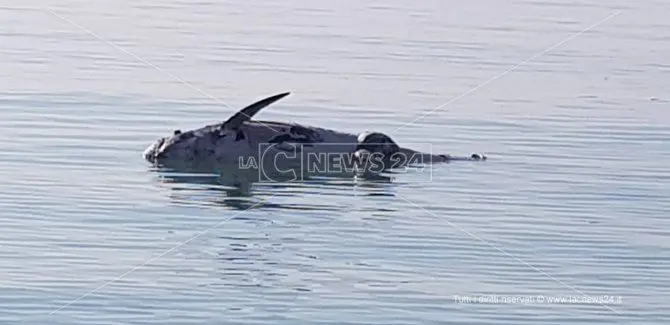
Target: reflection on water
(241,189)
(267,259)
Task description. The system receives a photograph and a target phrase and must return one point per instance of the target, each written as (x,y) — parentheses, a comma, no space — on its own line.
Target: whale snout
(151,153)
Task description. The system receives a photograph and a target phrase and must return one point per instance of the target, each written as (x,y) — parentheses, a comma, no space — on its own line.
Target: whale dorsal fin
(248,112)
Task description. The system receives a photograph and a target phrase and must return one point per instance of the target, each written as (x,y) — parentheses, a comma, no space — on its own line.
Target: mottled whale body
(243,142)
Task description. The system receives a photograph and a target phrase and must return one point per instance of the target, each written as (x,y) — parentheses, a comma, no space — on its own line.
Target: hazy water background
(573,200)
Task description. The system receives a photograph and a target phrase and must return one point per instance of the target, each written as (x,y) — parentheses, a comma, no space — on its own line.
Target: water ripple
(573,200)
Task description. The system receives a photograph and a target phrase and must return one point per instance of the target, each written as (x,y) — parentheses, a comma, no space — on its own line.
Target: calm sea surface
(566,223)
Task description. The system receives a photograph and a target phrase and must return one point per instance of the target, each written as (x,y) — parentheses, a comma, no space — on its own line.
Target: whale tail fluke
(248,112)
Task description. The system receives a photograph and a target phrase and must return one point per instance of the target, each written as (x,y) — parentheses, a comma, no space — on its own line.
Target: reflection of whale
(242,189)
(248,259)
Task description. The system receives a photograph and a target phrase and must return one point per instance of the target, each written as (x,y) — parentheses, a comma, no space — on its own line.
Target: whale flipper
(248,112)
